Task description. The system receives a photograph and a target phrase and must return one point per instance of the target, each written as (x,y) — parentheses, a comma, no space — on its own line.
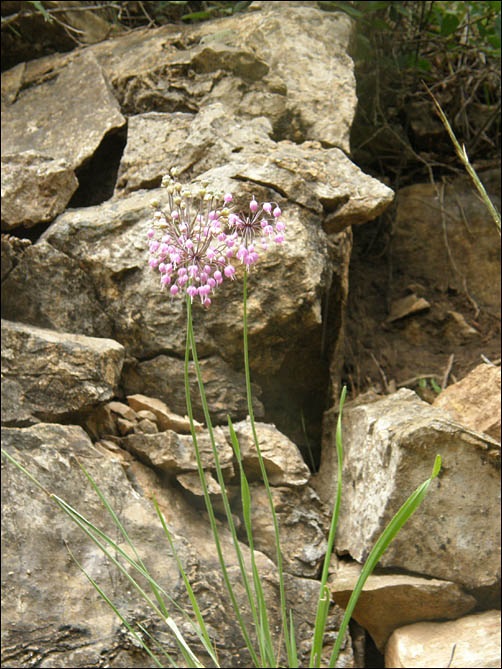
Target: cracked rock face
(245,105)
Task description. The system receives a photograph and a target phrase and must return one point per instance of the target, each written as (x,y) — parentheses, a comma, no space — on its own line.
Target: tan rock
(390,446)
(283,461)
(48,374)
(425,227)
(174,453)
(35,188)
(475,400)
(390,601)
(166,419)
(41,119)
(122,410)
(474,641)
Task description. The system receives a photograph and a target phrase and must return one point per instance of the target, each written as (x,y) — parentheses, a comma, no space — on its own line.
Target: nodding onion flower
(194,240)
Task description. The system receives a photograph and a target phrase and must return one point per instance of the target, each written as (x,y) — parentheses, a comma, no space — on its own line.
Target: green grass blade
(291,653)
(322,608)
(202,632)
(108,601)
(390,532)
(191,347)
(265,640)
(86,526)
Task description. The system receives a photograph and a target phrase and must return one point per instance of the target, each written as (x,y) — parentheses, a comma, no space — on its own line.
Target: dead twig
(447,372)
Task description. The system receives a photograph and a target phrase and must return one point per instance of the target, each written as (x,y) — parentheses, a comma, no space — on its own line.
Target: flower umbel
(255,231)
(194,239)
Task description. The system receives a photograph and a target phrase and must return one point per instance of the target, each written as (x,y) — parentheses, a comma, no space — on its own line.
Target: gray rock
(163,377)
(301,528)
(48,375)
(175,453)
(281,457)
(389,449)
(61,620)
(46,119)
(35,188)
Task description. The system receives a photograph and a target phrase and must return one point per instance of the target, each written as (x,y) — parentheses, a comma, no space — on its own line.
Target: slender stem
(191,347)
(279,558)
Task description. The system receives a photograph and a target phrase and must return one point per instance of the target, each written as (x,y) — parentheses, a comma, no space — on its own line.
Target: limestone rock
(166,419)
(158,141)
(42,120)
(49,375)
(282,459)
(322,180)
(81,629)
(12,248)
(391,601)
(148,69)
(67,622)
(48,288)
(473,640)
(389,449)
(474,401)
(301,528)
(35,189)
(163,376)
(174,453)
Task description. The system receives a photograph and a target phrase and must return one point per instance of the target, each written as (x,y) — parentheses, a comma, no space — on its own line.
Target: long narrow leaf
(291,653)
(191,347)
(322,608)
(390,532)
(125,622)
(203,633)
(85,525)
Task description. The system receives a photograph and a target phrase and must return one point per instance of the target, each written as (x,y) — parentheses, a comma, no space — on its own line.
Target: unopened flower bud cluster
(195,240)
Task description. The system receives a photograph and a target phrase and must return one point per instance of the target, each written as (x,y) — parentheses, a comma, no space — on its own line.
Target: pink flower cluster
(194,241)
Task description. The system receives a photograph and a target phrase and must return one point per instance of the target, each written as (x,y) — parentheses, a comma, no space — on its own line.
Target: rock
(163,376)
(48,375)
(389,449)
(301,528)
(166,419)
(148,70)
(35,188)
(325,181)
(461,256)
(12,249)
(107,247)
(391,601)
(158,141)
(68,623)
(406,306)
(41,273)
(80,627)
(146,426)
(474,401)
(122,410)
(42,120)
(283,462)
(173,453)
(457,330)
(335,188)
(472,641)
